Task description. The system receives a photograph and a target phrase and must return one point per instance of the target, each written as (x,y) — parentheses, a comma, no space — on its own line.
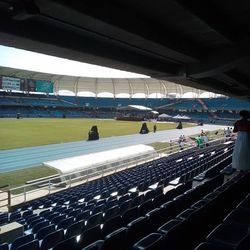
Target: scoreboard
(13,83)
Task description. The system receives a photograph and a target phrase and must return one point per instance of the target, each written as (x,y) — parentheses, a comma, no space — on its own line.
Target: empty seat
(27,213)
(65,223)
(75,229)
(67,244)
(35,222)
(153,241)
(99,208)
(52,239)
(116,240)
(211,246)
(155,217)
(174,231)
(146,207)
(125,206)
(137,229)
(83,216)
(90,235)
(4,246)
(228,234)
(94,220)
(111,212)
(94,246)
(21,241)
(39,225)
(159,200)
(240,215)
(130,215)
(44,231)
(58,218)
(186,213)
(14,216)
(112,224)
(32,245)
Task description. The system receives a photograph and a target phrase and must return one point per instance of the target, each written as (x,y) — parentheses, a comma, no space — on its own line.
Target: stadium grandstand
(103,97)
(125,163)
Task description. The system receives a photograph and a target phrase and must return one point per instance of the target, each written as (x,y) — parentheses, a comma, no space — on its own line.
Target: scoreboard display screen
(30,85)
(10,83)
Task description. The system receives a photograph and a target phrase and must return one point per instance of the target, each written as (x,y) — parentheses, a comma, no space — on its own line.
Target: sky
(27,60)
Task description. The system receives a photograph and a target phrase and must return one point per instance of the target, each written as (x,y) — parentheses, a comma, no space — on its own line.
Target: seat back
(112,224)
(90,235)
(94,220)
(67,244)
(21,240)
(32,245)
(44,231)
(153,241)
(52,239)
(39,225)
(75,229)
(137,229)
(65,223)
(116,240)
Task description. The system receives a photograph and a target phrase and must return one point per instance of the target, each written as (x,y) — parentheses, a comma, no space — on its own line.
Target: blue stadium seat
(94,246)
(112,224)
(52,239)
(137,229)
(21,241)
(43,232)
(75,229)
(90,235)
(153,241)
(116,240)
(67,244)
(32,245)
(4,246)
(228,234)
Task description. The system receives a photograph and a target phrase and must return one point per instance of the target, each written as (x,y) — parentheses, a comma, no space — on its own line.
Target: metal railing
(4,196)
(75,178)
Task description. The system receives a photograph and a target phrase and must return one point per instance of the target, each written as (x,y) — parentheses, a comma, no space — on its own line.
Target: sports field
(18,133)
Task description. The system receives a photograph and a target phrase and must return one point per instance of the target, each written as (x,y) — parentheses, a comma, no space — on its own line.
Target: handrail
(67,178)
(5,199)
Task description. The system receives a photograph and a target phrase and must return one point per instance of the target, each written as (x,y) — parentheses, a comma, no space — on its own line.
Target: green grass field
(20,133)
(20,177)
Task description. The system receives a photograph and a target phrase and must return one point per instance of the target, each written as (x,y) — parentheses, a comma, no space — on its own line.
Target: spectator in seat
(241,153)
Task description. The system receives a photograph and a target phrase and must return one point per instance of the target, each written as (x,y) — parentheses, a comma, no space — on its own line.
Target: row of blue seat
(192,225)
(153,218)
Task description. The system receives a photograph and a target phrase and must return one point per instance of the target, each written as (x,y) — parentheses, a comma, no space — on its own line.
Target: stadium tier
(213,110)
(137,209)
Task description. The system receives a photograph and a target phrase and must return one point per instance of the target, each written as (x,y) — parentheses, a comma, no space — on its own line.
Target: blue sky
(22,59)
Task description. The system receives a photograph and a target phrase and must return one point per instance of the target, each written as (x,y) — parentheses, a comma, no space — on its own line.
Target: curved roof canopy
(115,86)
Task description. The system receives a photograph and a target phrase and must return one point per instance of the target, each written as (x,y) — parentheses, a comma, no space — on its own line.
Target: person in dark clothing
(179,126)
(155,128)
(93,133)
(144,128)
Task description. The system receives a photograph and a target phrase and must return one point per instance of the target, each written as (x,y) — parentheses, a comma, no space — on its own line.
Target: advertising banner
(11,83)
(44,86)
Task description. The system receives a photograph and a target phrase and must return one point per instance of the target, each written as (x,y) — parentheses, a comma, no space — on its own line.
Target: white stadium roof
(149,87)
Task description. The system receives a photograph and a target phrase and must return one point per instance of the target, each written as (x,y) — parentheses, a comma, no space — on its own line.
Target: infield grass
(18,133)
